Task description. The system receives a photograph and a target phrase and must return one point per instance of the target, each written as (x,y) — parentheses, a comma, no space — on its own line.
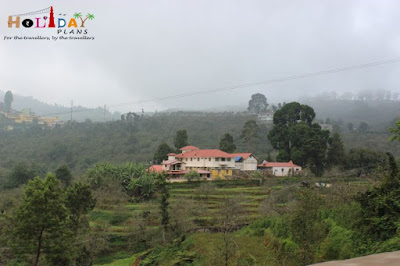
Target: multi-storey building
(209,163)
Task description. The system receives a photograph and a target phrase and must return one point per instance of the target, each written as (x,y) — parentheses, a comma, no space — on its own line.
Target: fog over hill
(378,108)
(80,113)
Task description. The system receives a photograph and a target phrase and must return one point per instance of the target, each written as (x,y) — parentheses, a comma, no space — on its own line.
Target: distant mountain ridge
(80,113)
(376,112)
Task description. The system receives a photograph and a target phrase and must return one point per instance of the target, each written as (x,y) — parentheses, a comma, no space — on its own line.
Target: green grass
(119,258)
(121,262)
(101,216)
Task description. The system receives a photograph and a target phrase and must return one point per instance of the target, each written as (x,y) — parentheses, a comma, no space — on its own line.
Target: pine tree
(226,144)
(64,175)
(162,152)
(181,139)
(8,99)
(250,134)
(336,153)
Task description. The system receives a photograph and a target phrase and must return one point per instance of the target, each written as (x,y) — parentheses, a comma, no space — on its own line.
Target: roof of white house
(266,164)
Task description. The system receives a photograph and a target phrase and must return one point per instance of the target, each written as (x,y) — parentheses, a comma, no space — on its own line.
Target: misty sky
(149,49)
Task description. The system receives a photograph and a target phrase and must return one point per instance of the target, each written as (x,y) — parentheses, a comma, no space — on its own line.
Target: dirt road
(384,259)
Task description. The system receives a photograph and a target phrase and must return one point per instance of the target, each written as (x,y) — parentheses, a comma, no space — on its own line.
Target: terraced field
(117,222)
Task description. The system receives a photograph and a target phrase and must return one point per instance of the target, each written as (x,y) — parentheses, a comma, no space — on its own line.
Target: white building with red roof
(280,168)
(209,163)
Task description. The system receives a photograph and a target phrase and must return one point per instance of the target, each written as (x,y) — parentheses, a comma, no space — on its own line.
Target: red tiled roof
(205,154)
(171,154)
(187,171)
(278,164)
(243,154)
(186,148)
(171,162)
(155,168)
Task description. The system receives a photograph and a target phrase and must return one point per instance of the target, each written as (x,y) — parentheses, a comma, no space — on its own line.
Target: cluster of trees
(332,224)
(252,138)
(180,140)
(22,173)
(258,104)
(131,180)
(297,138)
(50,223)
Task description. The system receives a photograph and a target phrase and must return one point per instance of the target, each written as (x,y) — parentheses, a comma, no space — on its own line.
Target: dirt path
(384,259)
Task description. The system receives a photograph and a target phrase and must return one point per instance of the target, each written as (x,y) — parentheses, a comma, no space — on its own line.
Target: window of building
(216,159)
(191,159)
(198,159)
(209,159)
(229,159)
(223,159)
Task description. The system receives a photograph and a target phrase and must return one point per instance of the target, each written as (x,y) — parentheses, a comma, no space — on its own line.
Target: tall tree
(64,175)
(258,103)
(164,207)
(336,154)
(162,152)
(226,143)
(79,201)
(40,222)
(181,139)
(297,138)
(250,134)
(8,99)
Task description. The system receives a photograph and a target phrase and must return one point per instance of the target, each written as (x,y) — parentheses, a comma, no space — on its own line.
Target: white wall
(250,164)
(277,171)
(208,162)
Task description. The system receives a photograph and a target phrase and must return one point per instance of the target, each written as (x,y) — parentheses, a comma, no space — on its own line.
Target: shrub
(192,175)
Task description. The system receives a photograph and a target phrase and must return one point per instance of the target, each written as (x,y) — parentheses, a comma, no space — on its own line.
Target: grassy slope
(201,243)
(119,220)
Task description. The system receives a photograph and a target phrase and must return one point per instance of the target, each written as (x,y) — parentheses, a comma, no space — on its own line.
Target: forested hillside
(379,114)
(80,145)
